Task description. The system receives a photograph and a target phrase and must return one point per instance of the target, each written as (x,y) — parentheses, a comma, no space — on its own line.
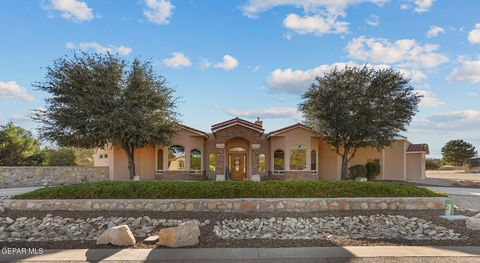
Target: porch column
(220,159)
(255,159)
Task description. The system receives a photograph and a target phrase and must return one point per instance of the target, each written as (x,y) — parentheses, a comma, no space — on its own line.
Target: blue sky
(254,58)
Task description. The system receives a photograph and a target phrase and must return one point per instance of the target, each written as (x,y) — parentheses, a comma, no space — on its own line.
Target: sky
(254,58)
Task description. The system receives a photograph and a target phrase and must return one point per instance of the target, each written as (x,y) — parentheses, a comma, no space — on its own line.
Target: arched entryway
(237,150)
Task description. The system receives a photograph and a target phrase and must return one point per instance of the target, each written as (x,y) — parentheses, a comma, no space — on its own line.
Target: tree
(102,101)
(63,156)
(433,163)
(359,107)
(457,151)
(18,147)
(83,157)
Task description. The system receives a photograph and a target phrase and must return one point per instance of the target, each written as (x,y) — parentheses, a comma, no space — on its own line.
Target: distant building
(473,164)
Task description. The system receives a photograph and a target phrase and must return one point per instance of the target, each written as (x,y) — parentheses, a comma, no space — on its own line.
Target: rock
(473,223)
(361,179)
(118,236)
(184,235)
(9,220)
(151,239)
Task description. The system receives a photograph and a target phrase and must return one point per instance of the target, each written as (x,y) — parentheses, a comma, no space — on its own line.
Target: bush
(358,170)
(215,190)
(433,164)
(373,170)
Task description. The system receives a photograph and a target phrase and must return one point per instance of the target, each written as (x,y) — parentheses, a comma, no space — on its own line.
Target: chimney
(259,122)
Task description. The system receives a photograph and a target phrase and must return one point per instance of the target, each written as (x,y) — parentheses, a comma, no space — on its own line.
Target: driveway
(16,191)
(464,198)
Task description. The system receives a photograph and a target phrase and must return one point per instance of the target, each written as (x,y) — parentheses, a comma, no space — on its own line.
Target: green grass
(209,190)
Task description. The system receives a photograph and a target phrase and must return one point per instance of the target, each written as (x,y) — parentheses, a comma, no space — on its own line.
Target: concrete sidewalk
(303,254)
(457,191)
(17,191)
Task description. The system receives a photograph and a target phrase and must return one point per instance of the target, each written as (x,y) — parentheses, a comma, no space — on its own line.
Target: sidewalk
(303,254)
(17,191)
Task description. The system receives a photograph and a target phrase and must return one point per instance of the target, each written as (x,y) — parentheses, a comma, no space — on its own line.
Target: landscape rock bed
(377,226)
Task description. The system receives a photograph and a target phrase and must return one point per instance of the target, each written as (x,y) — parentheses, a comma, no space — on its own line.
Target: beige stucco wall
(395,161)
(109,161)
(416,166)
(329,164)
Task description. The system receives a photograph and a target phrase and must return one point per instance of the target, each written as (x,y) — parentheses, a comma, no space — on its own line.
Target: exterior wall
(120,170)
(97,161)
(329,164)
(145,163)
(26,176)
(395,161)
(416,166)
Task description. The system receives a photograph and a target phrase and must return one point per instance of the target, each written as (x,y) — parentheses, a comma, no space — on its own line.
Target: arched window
(261,163)
(195,160)
(313,160)
(237,149)
(176,158)
(160,159)
(212,161)
(278,160)
(298,157)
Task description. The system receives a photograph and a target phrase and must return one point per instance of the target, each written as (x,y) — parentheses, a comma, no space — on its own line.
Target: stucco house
(238,149)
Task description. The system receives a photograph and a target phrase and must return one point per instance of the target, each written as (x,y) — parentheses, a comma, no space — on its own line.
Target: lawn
(210,190)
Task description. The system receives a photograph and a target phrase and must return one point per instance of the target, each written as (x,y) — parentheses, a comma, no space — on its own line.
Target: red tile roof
(421,147)
(225,124)
(275,132)
(199,132)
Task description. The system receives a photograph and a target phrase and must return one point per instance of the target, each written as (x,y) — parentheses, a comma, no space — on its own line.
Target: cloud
(97,48)
(228,63)
(320,16)
(423,5)
(463,120)
(74,10)
(429,99)
(474,35)
(298,81)
(469,70)
(266,113)
(434,31)
(12,90)
(158,11)
(177,60)
(316,25)
(373,20)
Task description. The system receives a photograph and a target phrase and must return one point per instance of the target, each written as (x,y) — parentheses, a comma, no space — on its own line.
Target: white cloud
(177,60)
(228,63)
(373,20)
(97,48)
(434,31)
(317,25)
(266,113)
(423,5)
(474,35)
(19,118)
(469,70)
(429,99)
(75,10)
(463,120)
(158,11)
(12,90)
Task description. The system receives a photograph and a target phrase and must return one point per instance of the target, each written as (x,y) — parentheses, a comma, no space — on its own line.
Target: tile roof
(234,121)
(199,132)
(275,132)
(420,147)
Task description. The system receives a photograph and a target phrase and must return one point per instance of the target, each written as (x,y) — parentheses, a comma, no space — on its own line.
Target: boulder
(473,223)
(118,236)
(184,235)
(361,179)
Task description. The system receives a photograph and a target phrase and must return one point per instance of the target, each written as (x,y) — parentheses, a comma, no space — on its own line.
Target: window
(176,158)
(298,157)
(195,160)
(313,160)
(261,163)
(237,149)
(212,161)
(160,159)
(278,160)
(105,156)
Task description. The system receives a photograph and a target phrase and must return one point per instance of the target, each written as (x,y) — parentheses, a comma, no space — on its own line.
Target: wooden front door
(238,166)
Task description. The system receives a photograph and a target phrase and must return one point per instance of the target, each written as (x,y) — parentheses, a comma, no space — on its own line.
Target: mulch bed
(208,238)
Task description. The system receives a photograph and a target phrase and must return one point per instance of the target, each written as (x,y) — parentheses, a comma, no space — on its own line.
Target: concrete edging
(231,205)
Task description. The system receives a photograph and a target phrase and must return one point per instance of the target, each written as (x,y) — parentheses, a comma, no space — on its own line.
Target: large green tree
(63,156)
(359,107)
(18,147)
(457,151)
(99,100)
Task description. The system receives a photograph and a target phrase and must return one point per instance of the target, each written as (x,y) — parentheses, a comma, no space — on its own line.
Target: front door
(237,165)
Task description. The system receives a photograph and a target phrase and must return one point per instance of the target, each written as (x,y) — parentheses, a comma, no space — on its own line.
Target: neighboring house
(473,165)
(241,150)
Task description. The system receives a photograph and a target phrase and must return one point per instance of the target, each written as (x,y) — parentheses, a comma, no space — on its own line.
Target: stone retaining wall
(232,205)
(25,176)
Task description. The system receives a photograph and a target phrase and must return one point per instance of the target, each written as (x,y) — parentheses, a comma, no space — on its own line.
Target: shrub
(433,164)
(358,170)
(373,170)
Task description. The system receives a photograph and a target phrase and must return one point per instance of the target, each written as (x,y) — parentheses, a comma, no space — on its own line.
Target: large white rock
(118,236)
(473,223)
(220,178)
(184,235)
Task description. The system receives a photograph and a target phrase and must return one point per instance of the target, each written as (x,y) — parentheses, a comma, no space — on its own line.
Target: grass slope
(209,190)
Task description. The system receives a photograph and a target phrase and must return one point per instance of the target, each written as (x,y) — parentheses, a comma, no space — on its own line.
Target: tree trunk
(344,167)
(131,162)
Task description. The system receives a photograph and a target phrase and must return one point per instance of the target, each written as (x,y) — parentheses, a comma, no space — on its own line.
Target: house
(473,165)
(238,149)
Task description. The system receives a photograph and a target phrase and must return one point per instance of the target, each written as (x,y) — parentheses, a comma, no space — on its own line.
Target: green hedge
(210,189)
